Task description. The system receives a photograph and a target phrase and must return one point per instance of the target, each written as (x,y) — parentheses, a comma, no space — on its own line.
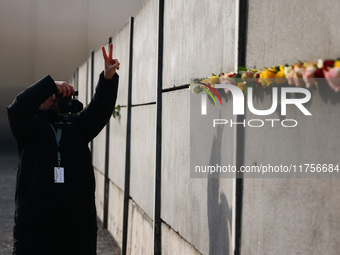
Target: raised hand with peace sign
(111,65)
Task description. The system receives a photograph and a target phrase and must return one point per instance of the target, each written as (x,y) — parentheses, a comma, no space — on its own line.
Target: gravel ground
(8,162)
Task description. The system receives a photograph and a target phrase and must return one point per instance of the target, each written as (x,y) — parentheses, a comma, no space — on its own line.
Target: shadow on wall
(219,211)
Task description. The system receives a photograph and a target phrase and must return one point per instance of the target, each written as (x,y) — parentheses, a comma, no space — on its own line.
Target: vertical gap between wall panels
(128,144)
(106,172)
(92,89)
(87,83)
(158,168)
(239,138)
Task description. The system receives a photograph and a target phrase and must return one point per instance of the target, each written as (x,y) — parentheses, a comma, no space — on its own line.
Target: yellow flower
(240,85)
(213,80)
(266,76)
(337,63)
(280,76)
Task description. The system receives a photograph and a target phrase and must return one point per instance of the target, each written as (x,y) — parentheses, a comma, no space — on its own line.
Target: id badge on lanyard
(58,170)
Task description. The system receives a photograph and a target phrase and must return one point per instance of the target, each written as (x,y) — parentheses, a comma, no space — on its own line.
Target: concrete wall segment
(274,144)
(121,51)
(115,214)
(199,209)
(143,146)
(145,53)
(173,243)
(98,63)
(99,150)
(118,148)
(89,77)
(83,80)
(99,142)
(283,32)
(140,231)
(198,40)
(289,214)
(99,177)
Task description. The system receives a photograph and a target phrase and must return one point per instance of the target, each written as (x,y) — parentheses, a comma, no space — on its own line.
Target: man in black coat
(55,202)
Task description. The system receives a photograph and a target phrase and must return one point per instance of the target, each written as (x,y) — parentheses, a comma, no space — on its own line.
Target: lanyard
(57,135)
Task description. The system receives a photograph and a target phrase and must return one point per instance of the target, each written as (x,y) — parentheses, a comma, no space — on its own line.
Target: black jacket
(56,218)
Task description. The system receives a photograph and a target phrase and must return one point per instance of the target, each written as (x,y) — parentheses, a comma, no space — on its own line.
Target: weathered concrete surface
(118,148)
(89,95)
(145,52)
(140,231)
(99,142)
(198,39)
(173,243)
(121,44)
(313,140)
(82,83)
(115,213)
(118,125)
(99,193)
(99,150)
(199,209)
(143,146)
(289,215)
(281,32)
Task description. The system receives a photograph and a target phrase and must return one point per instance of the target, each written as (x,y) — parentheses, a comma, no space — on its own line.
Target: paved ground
(8,162)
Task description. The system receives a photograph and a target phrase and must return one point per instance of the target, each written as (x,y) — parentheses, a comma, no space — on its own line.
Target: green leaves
(116,111)
(242,69)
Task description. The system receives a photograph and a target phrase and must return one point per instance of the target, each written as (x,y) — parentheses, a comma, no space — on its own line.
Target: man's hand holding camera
(64,89)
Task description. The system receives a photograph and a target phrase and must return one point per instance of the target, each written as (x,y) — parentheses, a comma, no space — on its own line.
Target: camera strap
(57,135)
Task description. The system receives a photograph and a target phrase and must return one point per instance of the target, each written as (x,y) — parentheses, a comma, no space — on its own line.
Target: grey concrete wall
(83,82)
(100,179)
(287,31)
(145,54)
(290,215)
(99,142)
(115,213)
(118,148)
(198,39)
(118,125)
(140,231)
(121,44)
(199,209)
(143,146)
(195,45)
(172,243)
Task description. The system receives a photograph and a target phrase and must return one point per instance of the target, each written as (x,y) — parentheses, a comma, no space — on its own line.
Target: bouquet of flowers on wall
(308,74)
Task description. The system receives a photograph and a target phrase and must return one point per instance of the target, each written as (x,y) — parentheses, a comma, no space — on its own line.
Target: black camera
(65,107)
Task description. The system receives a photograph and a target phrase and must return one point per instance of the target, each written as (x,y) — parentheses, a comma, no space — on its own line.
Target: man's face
(49,104)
